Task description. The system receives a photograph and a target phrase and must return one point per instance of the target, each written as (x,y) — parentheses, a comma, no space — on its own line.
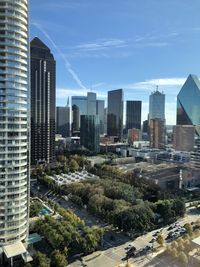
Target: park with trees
(64,237)
(125,201)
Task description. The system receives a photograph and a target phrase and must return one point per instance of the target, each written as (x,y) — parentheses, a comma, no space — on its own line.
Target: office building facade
(43,72)
(134,135)
(115,113)
(75,120)
(183,137)
(14,126)
(63,121)
(157,133)
(157,106)
(79,107)
(133,114)
(91,103)
(81,103)
(195,156)
(89,133)
(188,103)
(100,104)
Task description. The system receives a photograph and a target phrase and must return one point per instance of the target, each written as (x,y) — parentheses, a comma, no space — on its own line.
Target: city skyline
(101,51)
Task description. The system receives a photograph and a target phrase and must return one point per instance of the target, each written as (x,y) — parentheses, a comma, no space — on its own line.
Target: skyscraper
(63,121)
(14,126)
(81,103)
(157,133)
(157,106)
(91,103)
(100,112)
(89,133)
(43,72)
(115,113)
(133,114)
(75,120)
(188,103)
(79,107)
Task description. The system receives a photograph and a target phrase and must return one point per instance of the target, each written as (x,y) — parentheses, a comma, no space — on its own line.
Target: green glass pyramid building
(188,103)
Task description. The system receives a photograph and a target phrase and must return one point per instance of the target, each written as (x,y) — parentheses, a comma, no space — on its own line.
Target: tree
(188,228)
(91,239)
(169,249)
(35,208)
(179,207)
(160,239)
(58,259)
(174,244)
(198,222)
(28,265)
(41,260)
(73,165)
(183,258)
(174,252)
(165,209)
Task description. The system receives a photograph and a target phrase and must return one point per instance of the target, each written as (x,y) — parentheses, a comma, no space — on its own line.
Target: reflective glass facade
(75,119)
(157,106)
(100,112)
(91,103)
(81,103)
(89,133)
(79,107)
(188,103)
(63,121)
(133,114)
(115,113)
(14,121)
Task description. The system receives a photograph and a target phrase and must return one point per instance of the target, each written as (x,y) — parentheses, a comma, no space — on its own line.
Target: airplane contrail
(67,63)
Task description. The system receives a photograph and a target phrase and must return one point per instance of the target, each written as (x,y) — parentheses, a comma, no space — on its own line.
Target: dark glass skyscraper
(133,114)
(188,103)
(75,119)
(43,71)
(115,113)
(100,112)
(89,133)
(63,121)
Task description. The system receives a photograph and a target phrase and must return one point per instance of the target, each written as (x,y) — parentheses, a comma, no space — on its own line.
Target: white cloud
(102,44)
(152,44)
(161,82)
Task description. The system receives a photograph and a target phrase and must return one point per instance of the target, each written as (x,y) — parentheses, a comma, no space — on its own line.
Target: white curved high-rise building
(14,121)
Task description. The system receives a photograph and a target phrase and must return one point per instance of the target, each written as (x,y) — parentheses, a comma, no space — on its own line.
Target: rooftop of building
(148,167)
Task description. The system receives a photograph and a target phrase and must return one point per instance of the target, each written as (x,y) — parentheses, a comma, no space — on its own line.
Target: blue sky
(102,45)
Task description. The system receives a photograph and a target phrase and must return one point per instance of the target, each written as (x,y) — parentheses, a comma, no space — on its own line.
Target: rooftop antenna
(157,88)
